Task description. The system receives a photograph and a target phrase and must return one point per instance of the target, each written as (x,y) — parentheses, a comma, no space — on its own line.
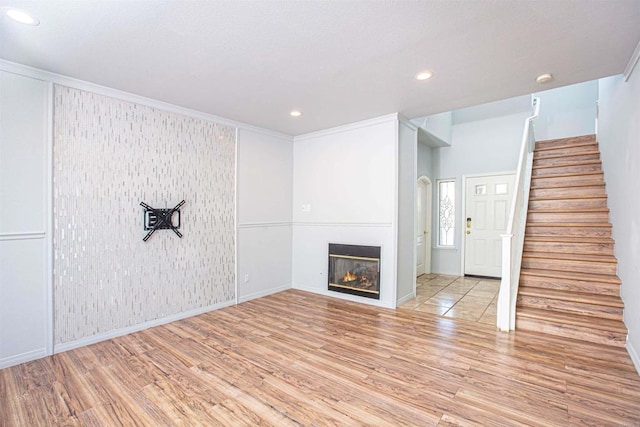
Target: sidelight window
(446,212)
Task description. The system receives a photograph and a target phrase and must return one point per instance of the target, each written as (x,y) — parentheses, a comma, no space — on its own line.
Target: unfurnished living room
(319,212)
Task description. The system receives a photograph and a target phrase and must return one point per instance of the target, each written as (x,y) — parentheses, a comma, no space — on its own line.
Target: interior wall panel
(25,321)
(110,155)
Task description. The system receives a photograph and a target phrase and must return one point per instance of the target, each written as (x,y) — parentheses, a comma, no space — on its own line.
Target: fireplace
(355,269)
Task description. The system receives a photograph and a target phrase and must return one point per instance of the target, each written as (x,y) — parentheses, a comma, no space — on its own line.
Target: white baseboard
(59,348)
(634,355)
(263,293)
(405,298)
(348,297)
(22,358)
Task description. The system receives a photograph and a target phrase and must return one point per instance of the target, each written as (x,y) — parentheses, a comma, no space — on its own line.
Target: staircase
(568,283)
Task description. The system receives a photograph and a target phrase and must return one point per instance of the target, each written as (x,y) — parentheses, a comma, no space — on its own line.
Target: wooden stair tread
(565,155)
(569,140)
(575,197)
(563,295)
(568,175)
(580,184)
(570,224)
(572,275)
(570,257)
(576,210)
(564,147)
(568,239)
(573,319)
(574,163)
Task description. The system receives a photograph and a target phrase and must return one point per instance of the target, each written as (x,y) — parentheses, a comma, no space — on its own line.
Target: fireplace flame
(349,277)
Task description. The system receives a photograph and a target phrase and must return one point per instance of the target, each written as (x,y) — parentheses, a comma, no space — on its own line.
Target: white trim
(27,235)
(49,310)
(59,348)
(437,212)
(348,297)
(428,208)
(344,128)
(22,358)
(633,61)
(264,293)
(413,226)
(236,216)
(633,354)
(341,224)
(464,207)
(24,70)
(406,298)
(480,175)
(396,214)
(463,222)
(265,224)
(402,119)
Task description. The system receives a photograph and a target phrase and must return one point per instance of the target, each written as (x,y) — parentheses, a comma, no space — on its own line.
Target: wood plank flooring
(296,358)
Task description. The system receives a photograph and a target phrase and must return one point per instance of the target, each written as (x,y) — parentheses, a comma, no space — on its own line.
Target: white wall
(407,181)
(425,161)
(567,111)
(344,191)
(439,125)
(425,167)
(263,199)
(110,155)
(619,141)
(25,232)
(265,186)
(435,130)
(477,147)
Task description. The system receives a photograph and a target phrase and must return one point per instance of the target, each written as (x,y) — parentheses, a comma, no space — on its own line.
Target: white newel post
(504,297)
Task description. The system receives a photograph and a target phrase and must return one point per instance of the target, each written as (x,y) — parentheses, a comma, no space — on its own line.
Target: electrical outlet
(246,278)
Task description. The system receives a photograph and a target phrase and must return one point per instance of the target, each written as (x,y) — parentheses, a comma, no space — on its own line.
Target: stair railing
(513,240)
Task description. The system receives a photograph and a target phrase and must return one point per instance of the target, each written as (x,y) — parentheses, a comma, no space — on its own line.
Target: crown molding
(351,126)
(633,61)
(38,74)
(407,122)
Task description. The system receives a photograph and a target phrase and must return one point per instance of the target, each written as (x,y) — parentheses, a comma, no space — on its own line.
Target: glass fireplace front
(355,269)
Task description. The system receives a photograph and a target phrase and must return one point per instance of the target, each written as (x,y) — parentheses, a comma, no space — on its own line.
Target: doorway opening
(423,225)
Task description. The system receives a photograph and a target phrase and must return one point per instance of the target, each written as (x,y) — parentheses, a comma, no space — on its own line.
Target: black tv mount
(160,219)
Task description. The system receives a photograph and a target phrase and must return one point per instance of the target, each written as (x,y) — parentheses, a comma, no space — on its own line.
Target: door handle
(468,225)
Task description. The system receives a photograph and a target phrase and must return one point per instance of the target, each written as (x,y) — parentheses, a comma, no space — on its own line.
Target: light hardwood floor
(296,358)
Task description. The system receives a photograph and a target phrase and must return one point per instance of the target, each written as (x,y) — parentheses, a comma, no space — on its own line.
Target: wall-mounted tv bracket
(161,219)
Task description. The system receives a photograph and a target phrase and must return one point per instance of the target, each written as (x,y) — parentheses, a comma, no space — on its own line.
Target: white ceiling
(337,61)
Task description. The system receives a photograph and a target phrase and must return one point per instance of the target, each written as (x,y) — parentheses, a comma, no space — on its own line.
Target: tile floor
(468,298)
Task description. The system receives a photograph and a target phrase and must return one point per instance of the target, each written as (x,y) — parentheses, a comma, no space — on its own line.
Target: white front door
(423,227)
(487,205)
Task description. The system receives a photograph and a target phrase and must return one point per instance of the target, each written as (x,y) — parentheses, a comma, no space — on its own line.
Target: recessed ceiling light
(544,78)
(424,75)
(295,113)
(22,17)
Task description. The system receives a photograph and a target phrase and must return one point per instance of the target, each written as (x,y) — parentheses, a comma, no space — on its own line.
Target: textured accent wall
(109,155)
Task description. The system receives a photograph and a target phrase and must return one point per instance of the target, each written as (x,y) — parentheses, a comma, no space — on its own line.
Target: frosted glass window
(502,188)
(481,190)
(446,212)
